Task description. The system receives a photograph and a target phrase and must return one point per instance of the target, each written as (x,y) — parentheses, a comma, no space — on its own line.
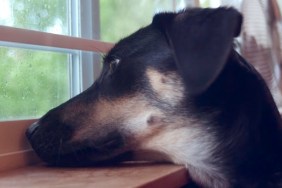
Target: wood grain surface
(127,175)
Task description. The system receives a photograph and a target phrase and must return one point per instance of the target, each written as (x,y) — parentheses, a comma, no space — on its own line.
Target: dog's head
(165,93)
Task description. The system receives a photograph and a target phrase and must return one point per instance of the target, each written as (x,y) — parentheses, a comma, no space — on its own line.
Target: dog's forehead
(146,42)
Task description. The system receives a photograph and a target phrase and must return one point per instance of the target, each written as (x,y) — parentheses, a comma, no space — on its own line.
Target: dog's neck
(189,146)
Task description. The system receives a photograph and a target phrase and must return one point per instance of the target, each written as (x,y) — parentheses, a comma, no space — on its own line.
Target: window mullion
(90,29)
(74,58)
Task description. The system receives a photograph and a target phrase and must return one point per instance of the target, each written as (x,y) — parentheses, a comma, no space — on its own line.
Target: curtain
(261,41)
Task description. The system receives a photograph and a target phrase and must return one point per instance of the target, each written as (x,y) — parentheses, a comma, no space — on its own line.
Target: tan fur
(156,134)
(136,115)
(135,112)
(168,87)
(184,142)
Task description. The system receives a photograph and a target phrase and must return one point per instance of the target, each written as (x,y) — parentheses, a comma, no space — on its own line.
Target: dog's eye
(114,64)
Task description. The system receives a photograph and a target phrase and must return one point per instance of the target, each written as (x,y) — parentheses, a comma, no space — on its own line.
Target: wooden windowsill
(127,175)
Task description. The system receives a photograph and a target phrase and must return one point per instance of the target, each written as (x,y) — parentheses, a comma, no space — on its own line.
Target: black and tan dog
(176,91)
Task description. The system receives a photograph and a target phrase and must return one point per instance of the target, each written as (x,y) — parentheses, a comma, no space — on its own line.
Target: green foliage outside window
(120,18)
(31,81)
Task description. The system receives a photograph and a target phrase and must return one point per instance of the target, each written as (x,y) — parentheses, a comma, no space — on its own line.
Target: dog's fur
(175,91)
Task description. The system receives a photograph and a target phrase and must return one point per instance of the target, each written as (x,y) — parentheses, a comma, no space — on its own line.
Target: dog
(173,91)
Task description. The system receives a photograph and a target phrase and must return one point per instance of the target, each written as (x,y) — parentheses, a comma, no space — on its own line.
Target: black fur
(247,122)
(221,89)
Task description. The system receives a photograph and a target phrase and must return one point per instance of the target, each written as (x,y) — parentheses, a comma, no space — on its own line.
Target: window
(32,82)
(35,79)
(46,15)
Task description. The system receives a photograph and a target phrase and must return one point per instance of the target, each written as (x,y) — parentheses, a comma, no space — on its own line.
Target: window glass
(42,15)
(210,3)
(120,18)
(32,82)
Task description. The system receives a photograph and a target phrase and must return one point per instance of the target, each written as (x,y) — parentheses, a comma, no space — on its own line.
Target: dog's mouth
(87,157)
(84,156)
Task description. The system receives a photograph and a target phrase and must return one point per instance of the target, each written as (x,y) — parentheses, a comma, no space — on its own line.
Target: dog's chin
(86,159)
(89,159)
(149,155)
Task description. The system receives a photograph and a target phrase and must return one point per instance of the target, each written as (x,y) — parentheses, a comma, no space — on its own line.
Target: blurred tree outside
(119,18)
(31,82)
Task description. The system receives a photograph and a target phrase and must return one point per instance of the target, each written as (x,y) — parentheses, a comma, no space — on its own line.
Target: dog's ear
(201,40)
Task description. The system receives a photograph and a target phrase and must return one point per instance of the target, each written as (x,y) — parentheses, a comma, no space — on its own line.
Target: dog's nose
(31,129)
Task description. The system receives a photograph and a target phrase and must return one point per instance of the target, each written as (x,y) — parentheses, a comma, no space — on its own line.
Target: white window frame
(16,152)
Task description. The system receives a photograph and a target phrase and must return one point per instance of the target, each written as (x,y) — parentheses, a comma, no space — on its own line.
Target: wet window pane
(42,15)
(120,18)
(32,82)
